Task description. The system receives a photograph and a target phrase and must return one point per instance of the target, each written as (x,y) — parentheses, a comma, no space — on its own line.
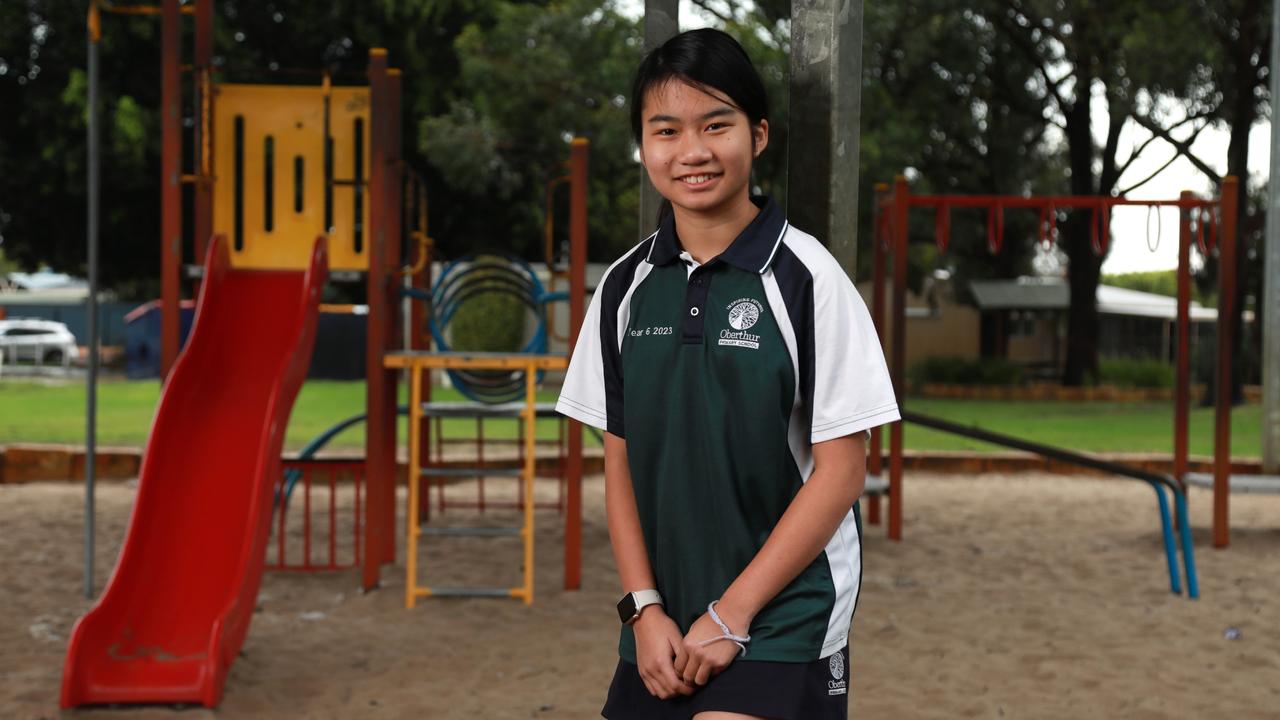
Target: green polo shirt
(720,377)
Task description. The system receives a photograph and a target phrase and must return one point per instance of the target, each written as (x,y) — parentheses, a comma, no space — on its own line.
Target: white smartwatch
(632,603)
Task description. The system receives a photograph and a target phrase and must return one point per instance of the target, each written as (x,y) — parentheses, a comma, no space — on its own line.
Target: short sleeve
(584,396)
(852,389)
(592,391)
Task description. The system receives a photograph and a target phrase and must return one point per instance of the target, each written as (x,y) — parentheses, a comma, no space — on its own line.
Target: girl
(734,370)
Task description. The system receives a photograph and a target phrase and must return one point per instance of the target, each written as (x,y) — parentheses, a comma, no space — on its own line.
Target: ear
(760,134)
(640,152)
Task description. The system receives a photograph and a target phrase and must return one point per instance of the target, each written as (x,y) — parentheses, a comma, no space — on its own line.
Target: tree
(948,97)
(42,60)
(1227,90)
(528,83)
(1111,55)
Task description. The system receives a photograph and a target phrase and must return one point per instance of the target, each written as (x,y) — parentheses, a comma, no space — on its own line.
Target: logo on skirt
(837,686)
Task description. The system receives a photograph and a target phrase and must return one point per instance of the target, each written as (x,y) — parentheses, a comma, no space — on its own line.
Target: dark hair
(705,58)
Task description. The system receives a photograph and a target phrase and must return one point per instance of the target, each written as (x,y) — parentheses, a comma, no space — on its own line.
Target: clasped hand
(670,664)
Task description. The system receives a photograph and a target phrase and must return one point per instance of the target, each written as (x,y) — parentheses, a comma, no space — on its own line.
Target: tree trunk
(1083,271)
(1083,266)
(1242,112)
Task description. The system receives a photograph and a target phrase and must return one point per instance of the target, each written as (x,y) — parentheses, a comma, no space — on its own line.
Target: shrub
(1128,372)
(965,371)
(488,322)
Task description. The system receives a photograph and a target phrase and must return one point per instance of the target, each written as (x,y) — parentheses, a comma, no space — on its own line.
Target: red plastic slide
(177,606)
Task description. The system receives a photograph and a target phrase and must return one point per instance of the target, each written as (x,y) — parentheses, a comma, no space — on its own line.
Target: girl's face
(698,147)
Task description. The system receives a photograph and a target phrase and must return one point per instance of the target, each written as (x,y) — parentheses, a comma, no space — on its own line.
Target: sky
(1133,232)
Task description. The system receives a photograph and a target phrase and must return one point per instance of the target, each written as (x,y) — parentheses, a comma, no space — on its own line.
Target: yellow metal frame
(416,363)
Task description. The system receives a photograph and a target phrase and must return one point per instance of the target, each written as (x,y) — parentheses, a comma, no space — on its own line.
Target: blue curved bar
(1188,552)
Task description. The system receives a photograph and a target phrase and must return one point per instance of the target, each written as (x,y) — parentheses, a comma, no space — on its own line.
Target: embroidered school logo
(837,686)
(743,313)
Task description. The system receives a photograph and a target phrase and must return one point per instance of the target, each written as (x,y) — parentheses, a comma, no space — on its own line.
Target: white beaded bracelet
(738,640)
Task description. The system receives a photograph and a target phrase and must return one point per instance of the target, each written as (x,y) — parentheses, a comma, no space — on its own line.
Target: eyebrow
(718,112)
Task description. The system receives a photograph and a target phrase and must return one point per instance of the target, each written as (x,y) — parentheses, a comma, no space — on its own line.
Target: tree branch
(1138,150)
(1028,48)
(1148,178)
(1183,147)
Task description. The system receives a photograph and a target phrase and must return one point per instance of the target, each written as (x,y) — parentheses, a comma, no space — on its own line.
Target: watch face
(627,608)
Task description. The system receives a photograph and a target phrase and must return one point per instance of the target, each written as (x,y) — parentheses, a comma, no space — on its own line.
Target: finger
(682,656)
(644,678)
(704,674)
(691,668)
(673,681)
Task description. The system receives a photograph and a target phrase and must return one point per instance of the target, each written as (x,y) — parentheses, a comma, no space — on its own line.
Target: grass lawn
(55,413)
(41,412)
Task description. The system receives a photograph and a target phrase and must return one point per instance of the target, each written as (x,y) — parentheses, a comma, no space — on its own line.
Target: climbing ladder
(417,362)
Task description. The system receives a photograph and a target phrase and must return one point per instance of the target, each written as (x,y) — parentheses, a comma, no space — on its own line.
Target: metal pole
(1271,276)
(91,410)
(822,157)
(202,219)
(661,23)
(170,184)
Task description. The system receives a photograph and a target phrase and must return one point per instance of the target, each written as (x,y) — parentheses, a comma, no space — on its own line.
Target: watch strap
(646,597)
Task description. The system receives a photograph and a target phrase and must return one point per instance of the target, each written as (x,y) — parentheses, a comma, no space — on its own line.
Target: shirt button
(693,311)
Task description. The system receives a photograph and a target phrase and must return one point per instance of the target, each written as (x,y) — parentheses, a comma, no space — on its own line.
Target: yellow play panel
(277,188)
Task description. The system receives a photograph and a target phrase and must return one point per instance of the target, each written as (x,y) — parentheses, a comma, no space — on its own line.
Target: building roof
(1055,294)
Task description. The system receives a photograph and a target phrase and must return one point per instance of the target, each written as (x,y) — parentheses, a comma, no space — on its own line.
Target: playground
(243,539)
(1051,607)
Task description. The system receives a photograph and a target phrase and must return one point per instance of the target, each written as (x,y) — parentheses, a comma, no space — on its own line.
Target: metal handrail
(1158,482)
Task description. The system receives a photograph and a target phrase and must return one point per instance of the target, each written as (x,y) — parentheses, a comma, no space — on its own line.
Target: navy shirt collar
(753,250)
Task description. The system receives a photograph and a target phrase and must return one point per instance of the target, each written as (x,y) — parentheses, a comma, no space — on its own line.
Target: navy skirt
(815,690)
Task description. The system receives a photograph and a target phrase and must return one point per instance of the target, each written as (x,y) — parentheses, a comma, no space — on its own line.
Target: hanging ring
(1159,228)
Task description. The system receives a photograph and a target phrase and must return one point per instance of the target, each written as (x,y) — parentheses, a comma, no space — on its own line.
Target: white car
(43,342)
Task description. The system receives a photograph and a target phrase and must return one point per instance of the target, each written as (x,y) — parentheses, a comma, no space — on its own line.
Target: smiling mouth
(701,179)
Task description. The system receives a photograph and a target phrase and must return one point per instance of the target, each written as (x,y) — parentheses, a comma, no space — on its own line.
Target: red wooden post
(876,461)
(901,209)
(1182,388)
(578,152)
(1222,410)
(333,517)
(380,438)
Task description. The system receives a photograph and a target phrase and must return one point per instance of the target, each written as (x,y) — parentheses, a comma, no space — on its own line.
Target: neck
(707,234)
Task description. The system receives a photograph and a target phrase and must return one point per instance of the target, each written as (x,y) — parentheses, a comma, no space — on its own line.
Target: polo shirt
(720,377)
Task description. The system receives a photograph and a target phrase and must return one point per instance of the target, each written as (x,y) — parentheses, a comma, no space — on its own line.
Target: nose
(693,149)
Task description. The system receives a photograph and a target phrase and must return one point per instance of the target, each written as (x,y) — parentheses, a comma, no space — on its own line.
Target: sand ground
(1021,596)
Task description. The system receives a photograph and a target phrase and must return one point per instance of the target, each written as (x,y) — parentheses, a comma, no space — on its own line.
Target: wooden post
(901,215)
(578,153)
(875,462)
(380,438)
(1222,410)
(1182,386)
